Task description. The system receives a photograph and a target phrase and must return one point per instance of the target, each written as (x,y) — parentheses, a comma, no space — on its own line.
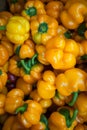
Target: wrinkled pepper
(26,50)
(3,79)
(53,8)
(29,113)
(24,86)
(16,6)
(17,29)
(43,28)
(30,69)
(82,109)
(73,14)
(2,103)
(12,123)
(32,9)
(61,53)
(14,99)
(13,66)
(63,119)
(70,81)
(46,85)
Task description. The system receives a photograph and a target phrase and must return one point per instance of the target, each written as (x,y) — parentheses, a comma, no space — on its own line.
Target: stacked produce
(43,65)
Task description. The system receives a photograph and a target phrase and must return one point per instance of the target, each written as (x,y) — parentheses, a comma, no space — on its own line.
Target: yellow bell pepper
(17,29)
(29,113)
(33,8)
(14,99)
(61,53)
(63,119)
(73,14)
(12,123)
(82,109)
(2,103)
(46,85)
(72,80)
(43,28)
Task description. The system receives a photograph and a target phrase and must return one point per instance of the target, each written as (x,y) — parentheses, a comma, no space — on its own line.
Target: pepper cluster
(43,65)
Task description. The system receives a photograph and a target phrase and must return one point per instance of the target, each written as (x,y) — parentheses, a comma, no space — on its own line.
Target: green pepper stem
(74,98)
(43,27)
(68,34)
(2,28)
(0,72)
(21,109)
(84,57)
(81,29)
(66,113)
(31,11)
(44,120)
(24,65)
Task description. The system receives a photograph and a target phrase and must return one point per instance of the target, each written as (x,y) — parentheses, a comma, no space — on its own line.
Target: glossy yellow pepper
(13,100)
(26,50)
(12,123)
(43,28)
(2,103)
(17,29)
(72,80)
(61,53)
(29,114)
(63,119)
(46,85)
(33,8)
(73,14)
(82,109)
(3,79)
(53,8)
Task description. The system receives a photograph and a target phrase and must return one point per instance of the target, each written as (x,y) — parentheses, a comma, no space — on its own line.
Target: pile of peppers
(43,65)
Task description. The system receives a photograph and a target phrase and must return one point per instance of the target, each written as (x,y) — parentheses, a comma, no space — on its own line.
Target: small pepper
(43,28)
(32,9)
(73,14)
(29,114)
(14,99)
(61,53)
(46,85)
(17,29)
(63,119)
(72,80)
(2,103)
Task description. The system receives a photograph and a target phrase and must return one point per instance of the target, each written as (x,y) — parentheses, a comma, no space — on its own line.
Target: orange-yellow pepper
(30,69)
(41,54)
(53,8)
(45,103)
(72,80)
(3,79)
(60,120)
(27,50)
(24,86)
(16,6)
(13,100)
(61,53)
(82,109)
(17,29)
(13,66)
(32,9)
(12,123)
(4,55)
(43,28)
(46,85)
(9,46)
(81,127)
(73,14)
(29,114)
(2,103)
